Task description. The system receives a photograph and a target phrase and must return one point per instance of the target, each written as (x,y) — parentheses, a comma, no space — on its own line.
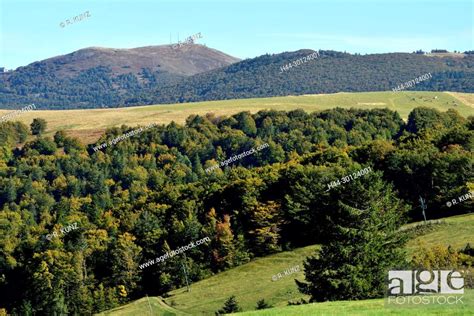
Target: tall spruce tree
(363,244)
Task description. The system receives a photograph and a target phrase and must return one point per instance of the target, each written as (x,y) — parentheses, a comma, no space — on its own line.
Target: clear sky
(31,31)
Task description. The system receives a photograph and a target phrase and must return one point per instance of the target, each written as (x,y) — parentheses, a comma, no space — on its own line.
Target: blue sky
(30,30)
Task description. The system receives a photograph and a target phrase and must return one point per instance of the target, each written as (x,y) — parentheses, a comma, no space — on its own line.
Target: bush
(442,257)
(436,257)
(297,302)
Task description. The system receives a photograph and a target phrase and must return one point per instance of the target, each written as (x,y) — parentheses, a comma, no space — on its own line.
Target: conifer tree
(261,304)
(230,306)
(363,244)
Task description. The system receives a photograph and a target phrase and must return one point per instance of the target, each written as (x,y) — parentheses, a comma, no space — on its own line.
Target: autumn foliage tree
(224,249)
(265,227)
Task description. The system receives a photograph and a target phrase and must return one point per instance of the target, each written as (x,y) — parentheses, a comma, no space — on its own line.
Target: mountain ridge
(108,77)
(126,60)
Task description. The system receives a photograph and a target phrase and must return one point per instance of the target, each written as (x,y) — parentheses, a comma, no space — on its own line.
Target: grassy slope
(456,231)
(88,125)
(252,281)
(144,306)
(369,308)
(249,283)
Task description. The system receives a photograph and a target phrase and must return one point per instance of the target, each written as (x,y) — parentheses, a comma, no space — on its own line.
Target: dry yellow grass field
(88,125)
(466,98)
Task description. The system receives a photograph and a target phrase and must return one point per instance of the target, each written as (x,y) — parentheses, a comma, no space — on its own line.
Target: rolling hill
(89,125)
(331,72)
(97,77)
(455,231)
(186,60)
(252,281)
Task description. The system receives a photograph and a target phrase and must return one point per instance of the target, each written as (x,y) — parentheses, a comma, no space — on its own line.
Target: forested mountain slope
(117,79)
(330,72)
(97,77)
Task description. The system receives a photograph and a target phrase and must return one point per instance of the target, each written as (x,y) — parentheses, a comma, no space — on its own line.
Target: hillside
(329,73)
(145,306)
(252,281)
(249,282)
(96,77)
(186,60)
(455,231)
(89,125)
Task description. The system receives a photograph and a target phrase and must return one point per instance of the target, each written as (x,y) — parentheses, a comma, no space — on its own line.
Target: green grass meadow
(145,306)
(249,283)
(455,231)
(369,308)
(253,281)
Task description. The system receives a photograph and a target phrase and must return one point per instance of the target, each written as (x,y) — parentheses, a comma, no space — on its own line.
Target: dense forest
(257,77)
(331,72)
(77,223)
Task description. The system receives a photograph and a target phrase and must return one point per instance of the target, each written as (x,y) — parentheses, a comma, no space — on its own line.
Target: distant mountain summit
(102,77)
(186,60)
